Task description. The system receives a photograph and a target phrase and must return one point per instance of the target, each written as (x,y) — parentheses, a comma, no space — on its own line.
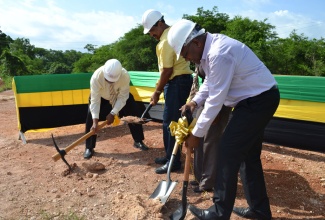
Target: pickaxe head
(62,153)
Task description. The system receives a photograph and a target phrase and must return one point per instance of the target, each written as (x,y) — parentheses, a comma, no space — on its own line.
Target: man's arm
(164,77)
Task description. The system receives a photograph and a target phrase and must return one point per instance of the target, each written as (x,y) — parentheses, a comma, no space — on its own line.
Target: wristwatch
(158,92)
(194,103)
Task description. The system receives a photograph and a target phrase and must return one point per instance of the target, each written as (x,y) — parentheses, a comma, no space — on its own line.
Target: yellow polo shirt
(167,58)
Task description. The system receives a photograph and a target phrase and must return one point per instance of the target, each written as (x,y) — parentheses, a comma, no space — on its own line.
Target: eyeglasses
(187,47)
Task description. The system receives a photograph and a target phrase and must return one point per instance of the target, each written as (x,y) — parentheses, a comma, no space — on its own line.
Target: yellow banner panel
(58,98)
(301,110)
(143,94)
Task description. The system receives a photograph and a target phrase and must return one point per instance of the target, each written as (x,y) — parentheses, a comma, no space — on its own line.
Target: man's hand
(109,119)
(191,106)
(192,141)
(155,97)
(95,125)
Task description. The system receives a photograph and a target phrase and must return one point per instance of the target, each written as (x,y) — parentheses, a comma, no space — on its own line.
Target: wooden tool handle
(175,149)
(187,164)
(57,156)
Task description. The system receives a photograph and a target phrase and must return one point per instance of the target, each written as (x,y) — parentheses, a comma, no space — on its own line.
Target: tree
(82,65)
(5,40)
(90,48)
(12,65)
(136,51)
(297,55)
(212,21)
(59,68)
(22,46)
(254,34)
(90,62)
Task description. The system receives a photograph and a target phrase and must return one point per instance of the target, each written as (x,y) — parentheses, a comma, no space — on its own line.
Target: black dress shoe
(140,145)
(194,182)
(249,214)
(199,189)
(161,160)
(203,214)
(163,169)
(89,153)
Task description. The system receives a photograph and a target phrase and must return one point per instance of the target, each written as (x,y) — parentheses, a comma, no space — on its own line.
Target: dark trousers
(240,150)
(205,155)
(130,109)
(176,92)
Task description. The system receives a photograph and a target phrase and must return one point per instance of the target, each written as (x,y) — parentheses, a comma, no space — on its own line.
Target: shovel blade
(163,191)
(179,214)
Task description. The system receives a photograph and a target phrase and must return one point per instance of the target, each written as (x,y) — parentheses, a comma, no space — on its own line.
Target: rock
(94,167)
(89,175)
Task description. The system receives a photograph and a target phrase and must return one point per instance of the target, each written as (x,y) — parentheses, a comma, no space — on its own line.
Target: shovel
(147,109)
(62,153)
(180,213)
(136,120)
(165,188)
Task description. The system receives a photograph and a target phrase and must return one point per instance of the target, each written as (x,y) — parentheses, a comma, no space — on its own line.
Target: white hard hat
(181,33)
(112,70)
(149,18)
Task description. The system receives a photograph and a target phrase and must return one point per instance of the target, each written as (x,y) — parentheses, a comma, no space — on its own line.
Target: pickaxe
(62,153)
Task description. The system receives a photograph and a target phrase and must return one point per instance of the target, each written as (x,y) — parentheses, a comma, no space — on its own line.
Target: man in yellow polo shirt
(175,82)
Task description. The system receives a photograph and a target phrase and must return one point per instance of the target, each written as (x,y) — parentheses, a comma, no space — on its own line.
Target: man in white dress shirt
(110,95)
(236,78)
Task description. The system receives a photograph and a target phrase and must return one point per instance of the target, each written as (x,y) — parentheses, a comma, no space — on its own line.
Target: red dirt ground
(32,185)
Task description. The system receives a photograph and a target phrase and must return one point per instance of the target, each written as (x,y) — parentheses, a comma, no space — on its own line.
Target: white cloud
(49,26)
(286,21)
(53,28)
(281,12)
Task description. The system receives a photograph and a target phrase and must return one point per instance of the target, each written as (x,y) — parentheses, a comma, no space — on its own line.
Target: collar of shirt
(207,46)
(164,34)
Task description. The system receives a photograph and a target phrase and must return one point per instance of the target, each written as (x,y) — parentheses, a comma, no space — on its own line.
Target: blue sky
(71,24)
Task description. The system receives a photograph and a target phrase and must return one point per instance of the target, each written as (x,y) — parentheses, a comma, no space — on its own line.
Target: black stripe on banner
(296,134)
(52,116)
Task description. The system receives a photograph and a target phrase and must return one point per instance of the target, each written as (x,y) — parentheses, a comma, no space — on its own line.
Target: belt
(180,76)
(275,87)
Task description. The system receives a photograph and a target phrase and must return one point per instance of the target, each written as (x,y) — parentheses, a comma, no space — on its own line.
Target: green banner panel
(304,88)
(144,79)
(53,82)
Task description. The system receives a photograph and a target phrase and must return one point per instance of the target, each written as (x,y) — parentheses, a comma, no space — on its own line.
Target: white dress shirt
(233,73)
(99,88)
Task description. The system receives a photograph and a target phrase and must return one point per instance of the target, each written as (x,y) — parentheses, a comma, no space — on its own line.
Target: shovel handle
(175,149)
(189,118)
(57,156)
(187,164)
(147,109)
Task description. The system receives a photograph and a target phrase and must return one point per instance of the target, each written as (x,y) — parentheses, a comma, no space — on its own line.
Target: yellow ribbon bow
(116,121)
(181,129)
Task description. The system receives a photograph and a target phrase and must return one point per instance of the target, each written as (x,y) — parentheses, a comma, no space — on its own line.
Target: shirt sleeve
(123,92)
(213,91)
(95,97)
